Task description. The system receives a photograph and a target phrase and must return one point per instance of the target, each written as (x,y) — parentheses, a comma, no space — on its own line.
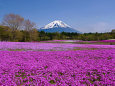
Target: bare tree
(29,27)
(15,22)
(113,31)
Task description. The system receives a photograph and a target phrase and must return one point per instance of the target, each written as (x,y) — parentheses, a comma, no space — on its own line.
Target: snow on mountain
(58,26)
(56,23)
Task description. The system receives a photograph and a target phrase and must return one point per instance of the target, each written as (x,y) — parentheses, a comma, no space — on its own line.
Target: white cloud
(98,27)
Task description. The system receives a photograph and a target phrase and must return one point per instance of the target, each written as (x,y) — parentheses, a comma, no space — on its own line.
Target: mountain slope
(58,26)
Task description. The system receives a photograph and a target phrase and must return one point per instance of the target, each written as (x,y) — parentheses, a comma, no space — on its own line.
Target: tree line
(15,28)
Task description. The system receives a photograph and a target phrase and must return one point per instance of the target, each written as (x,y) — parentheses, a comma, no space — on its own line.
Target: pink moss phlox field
(107,41)
(57,68)
(48,46)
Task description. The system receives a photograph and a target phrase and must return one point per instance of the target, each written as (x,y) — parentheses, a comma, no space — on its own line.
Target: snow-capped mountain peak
(58,26)
(56,23)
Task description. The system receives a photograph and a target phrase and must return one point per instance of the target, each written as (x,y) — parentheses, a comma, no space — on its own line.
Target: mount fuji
(58,26)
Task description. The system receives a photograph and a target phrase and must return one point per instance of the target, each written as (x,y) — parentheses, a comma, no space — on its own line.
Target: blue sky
(83,15)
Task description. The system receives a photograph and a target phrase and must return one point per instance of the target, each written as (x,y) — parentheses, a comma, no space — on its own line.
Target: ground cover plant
(82,65)
(37,46)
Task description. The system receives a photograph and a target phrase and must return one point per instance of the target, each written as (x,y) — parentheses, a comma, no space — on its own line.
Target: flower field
(30,46)
(56,64)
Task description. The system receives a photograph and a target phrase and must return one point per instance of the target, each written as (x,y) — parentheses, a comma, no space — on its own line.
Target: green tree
(5,33)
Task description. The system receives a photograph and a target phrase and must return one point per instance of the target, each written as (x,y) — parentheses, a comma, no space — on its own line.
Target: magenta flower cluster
(57,68)
(30,46)
(56,64)
(107,41)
